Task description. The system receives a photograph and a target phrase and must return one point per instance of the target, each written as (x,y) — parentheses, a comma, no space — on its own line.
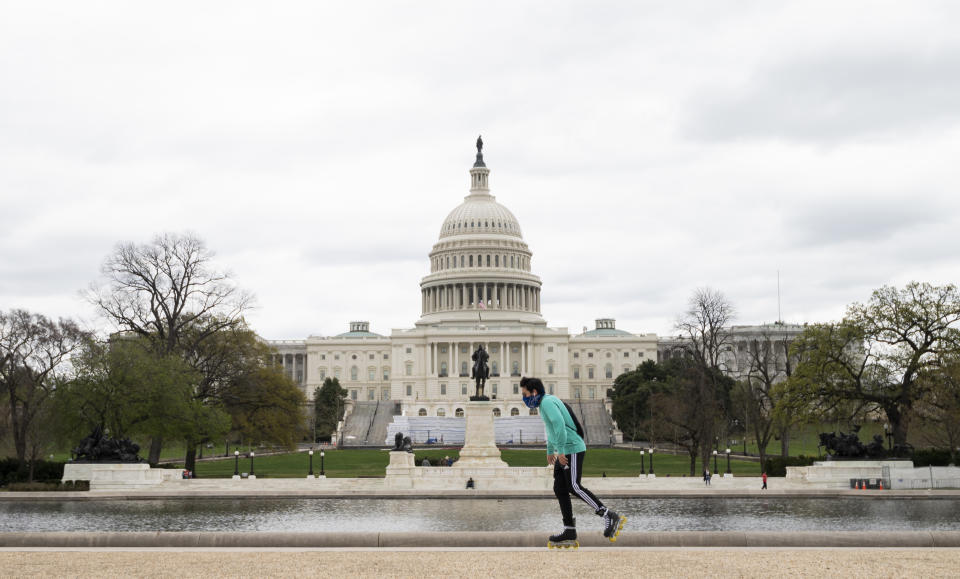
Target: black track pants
(566,482)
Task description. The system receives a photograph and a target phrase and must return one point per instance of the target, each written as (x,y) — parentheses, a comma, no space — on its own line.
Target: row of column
(453,355)
(495,296)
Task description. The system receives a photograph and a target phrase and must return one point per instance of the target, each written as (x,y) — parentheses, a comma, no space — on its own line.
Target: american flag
(481,305)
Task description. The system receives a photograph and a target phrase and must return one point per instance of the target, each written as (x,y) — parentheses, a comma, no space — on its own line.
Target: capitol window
(372,374)
(459,412)
(461,261)
(550,388)
(409,349)
(336,356)
(441,412)
(496,260)
(549,367)
(488,260)
(626,354)
(422,412)
(323,356)
(511,261)
(353,373)
(516,388)
(608,370)
(533,412)
(496,412)
(409,369)
(494,389)
(443,390)
(336,373)
(471,261)
(371,356)
(549,348)
(463,389)
(354,356)
(323,373)
(590,373)
(576,372)
(409,389)
(514,412)
(443,368)
(576,354)
(386,373)
(386,356)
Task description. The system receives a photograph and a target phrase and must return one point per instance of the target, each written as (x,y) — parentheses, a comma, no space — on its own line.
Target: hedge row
(13,470)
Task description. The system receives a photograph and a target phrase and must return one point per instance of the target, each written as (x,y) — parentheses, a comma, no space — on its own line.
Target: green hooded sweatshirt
(562,437)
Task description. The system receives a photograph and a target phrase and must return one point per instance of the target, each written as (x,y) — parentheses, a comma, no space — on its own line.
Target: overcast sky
(647,149)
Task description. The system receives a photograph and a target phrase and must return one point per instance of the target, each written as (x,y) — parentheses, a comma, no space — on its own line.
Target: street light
(251,465)
(310,474)
(321,465)
(642,463)
(715,461)
(886,431)
(650,452)
(236,463)
(728,462)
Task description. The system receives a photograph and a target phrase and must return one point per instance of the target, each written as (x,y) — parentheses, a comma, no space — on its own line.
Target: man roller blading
(565,452)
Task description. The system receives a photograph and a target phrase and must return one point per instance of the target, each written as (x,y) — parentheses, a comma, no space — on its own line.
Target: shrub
(777,465)
(13,470)
(931,457)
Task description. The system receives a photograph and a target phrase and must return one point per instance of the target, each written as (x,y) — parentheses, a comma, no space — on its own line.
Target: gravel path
(846,563)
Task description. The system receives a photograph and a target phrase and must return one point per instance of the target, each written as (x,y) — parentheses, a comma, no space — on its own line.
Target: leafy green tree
(875,357)
(631,398)
(328,404)
(129,390)
(266,405)
(940,410)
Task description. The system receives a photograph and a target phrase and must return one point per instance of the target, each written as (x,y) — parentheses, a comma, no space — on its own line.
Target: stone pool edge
(225,540)
(475,494)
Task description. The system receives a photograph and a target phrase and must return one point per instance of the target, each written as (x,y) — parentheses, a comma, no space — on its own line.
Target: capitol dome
(480,262)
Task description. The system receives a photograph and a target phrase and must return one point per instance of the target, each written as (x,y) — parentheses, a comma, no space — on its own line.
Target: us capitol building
(481,289)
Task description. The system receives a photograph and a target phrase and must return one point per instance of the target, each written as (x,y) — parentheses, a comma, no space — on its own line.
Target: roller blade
(615,527)
(563,545)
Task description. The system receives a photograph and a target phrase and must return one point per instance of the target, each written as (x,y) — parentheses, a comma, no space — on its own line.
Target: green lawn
(373,463)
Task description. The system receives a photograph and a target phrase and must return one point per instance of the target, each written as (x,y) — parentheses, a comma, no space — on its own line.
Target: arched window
(353,372)
(496,260)
(458,413)
(479,260)
(461,261)
(496,412)
(471,261)
(514,412)
(534,412)
(422,412)
(608,370)
(448,262)
(511,261)
(488,260)
(441,412)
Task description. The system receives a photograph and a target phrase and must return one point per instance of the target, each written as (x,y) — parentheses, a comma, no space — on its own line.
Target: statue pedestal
(119,476)
(480,447)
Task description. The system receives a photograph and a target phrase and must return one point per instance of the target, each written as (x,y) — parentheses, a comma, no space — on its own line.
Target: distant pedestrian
(706,477)
(763,477)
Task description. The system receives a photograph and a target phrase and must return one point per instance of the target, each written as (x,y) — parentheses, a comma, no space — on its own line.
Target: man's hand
(562,459)
(551,458)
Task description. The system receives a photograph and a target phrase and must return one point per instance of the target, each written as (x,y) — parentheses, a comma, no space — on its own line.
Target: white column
(463,296)
(523,358)
(496,295)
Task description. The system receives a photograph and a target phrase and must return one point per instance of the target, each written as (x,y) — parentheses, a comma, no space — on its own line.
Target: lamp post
(728,462)
(321,465)
(251,466)
(650,452)
(310,474)
(886,431)
(715,461)
(642,463)
(236,464)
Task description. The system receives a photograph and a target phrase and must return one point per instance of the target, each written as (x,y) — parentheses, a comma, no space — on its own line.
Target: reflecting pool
(304,515)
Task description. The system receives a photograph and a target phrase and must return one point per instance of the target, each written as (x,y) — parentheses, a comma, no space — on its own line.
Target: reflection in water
(733,514)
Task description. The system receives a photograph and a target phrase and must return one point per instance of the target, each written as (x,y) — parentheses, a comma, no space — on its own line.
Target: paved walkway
(846,563)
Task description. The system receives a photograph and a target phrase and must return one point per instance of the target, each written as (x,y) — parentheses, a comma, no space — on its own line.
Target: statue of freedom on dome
(479,144)
(481,371)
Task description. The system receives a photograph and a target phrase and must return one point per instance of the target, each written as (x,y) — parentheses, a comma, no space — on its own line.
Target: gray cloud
(835,94)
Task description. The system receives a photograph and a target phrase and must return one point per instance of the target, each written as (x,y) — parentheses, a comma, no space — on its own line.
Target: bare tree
(169,293)
(704,327)
(34,355)
(763,363)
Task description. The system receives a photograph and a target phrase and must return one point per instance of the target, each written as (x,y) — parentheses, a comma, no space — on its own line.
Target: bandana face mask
(532,401)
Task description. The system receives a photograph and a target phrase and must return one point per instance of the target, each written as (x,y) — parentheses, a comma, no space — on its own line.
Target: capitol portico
(481,289)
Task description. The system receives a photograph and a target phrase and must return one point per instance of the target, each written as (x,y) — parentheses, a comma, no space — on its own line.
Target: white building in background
(481,289)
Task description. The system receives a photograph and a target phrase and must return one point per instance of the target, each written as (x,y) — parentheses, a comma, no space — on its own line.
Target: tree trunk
(693,462)
(785,443)
(190,462)
(156,444)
